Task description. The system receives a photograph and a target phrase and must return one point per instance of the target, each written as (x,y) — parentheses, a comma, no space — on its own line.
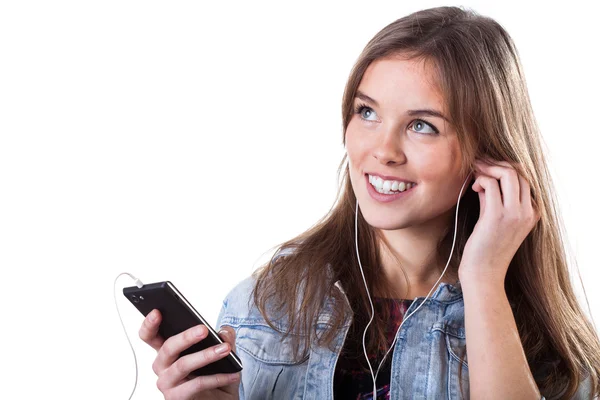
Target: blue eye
(362,107)
(421,123)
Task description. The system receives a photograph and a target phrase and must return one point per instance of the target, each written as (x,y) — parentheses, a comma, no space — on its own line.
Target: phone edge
(187,303)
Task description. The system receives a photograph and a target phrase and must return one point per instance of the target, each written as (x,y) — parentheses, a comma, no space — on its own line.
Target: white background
(182,140)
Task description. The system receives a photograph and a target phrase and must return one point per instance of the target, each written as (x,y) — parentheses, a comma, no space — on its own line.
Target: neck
(411,265)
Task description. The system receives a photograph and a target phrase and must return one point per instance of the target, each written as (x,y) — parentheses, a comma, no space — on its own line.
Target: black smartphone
(178,315)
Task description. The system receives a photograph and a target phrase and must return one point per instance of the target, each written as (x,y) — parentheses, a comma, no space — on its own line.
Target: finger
(173,346)
(509,182)
(227,334)
(191,362)
(491,190)
(526,198)
(229,383)
(149,330)
(525,191)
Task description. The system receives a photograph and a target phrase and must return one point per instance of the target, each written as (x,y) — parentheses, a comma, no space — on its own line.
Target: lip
(388,177)
(385,198)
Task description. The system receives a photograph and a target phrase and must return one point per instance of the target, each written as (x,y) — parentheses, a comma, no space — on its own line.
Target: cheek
(355,146)
(441,176)
(432,166)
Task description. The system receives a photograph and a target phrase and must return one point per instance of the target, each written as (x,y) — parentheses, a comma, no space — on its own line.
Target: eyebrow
(425,111)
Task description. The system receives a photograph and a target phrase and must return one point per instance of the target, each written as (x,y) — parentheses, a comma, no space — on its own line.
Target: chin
(382,221)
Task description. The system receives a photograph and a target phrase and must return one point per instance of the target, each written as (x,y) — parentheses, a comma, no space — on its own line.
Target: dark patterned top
(351,381)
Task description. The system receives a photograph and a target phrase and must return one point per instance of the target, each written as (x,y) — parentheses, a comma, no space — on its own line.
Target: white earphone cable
(369,295)
(139,284)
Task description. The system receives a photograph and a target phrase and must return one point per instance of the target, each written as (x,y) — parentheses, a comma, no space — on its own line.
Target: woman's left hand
(505,219)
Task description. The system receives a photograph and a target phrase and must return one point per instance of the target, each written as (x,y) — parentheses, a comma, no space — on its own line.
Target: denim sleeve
(218,325)
(584,391)
(221,314)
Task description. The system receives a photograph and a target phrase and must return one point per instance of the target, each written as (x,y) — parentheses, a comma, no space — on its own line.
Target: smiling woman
(404,138)
(436,99)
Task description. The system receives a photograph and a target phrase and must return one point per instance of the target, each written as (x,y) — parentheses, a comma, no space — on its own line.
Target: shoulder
(238,304)
(239,307)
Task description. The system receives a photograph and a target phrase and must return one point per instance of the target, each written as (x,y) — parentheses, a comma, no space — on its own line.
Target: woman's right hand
(173,380)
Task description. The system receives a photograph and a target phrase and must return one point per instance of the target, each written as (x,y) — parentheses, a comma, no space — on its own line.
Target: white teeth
(388,187)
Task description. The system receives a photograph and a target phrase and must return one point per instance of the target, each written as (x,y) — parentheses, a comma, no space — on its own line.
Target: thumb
(227,334)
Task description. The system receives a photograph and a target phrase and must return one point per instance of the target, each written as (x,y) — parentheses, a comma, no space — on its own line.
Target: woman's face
(390,139)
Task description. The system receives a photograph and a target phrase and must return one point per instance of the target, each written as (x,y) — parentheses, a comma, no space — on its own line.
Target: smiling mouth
(388,187)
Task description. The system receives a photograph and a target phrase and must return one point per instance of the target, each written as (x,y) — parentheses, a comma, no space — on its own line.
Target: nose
(388,150)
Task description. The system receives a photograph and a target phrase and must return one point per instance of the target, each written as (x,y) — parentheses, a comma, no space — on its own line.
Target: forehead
(399,83)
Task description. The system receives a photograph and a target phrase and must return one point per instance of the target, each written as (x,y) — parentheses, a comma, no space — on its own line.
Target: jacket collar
(444,293)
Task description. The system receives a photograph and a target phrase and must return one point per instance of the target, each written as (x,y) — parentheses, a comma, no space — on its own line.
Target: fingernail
(199,331)
(224,332)
(152,316)
(221,348)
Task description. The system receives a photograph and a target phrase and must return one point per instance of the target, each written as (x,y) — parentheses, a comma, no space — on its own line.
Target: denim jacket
(425,361)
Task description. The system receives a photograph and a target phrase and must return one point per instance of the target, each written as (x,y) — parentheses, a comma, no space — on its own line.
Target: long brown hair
(481,78)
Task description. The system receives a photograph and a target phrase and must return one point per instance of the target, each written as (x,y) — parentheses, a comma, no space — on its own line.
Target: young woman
(446,190)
